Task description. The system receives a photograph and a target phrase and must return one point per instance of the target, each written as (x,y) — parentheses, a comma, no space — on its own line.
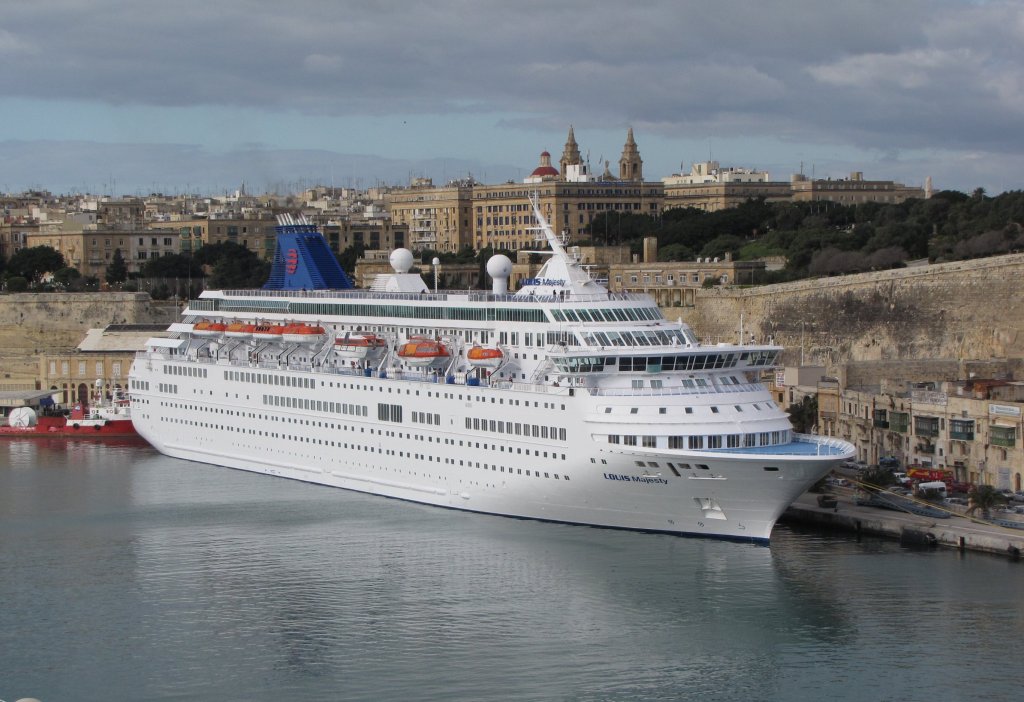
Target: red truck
(924,475)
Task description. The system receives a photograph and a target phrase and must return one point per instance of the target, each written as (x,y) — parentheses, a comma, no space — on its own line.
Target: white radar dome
(499,266)
(401,260)
(22,417)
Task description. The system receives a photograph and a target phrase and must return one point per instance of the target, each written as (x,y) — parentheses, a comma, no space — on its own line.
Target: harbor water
(127,575)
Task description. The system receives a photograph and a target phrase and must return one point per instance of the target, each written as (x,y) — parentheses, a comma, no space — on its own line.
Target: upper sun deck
(448,305)
(459,296)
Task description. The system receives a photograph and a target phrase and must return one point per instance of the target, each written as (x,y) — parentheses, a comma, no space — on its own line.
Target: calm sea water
(125,575)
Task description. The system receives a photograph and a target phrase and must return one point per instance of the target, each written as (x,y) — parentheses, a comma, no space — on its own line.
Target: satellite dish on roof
(401,260)
(22,417)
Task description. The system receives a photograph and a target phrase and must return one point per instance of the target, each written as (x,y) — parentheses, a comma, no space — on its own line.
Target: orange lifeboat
(239,330)
(423,352)
(484,357)
(268,332)
(359,346)
(301,333)
(208,328)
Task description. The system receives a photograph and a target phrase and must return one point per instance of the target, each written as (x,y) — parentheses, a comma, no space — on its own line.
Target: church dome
(545,169)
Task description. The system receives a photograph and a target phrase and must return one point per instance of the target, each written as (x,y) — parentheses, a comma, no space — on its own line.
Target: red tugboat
(105,421)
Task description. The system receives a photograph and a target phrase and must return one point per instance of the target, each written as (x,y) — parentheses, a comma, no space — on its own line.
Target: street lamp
(436,262)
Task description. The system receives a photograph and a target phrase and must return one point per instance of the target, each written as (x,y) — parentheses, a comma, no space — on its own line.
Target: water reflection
(165,578)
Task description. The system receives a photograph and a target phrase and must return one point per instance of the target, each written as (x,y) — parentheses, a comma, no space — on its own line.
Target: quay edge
(960,532)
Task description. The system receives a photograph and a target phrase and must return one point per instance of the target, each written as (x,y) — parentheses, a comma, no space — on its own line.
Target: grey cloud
(127,169)
(883,75)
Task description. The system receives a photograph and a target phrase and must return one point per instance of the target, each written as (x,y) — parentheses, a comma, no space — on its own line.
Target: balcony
(961,430)
(926,426)
(1003,436)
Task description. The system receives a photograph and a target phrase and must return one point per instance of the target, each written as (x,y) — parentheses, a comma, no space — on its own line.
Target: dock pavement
(958,531)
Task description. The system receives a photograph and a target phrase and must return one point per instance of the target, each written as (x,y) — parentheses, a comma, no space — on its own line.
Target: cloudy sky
(134,96)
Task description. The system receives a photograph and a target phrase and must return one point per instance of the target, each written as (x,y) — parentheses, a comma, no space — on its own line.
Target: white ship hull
(573,481)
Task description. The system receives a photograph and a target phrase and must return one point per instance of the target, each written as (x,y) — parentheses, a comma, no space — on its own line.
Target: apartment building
(972,427)
(851,191)
(674,283)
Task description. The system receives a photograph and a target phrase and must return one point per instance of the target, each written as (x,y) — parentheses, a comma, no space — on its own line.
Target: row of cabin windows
(538,339)
(190,371)
(315,405)
(713,441)
(291,381)
(515,428)
(686,410)
(614,314)
(426,418)
(326,442)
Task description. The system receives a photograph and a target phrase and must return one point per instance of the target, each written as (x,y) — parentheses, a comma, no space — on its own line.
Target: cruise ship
(561,401)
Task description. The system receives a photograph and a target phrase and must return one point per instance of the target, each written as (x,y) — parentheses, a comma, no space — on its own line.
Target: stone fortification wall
(962,310)
(34,324)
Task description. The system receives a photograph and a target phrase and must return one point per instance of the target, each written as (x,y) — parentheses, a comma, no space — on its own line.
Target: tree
(675,252)
(68,278)
(117,271)
(350,256)
(16,283)
(172,266)
(804,416)
(234,266)
(877,478)
(984,497)
(34,262)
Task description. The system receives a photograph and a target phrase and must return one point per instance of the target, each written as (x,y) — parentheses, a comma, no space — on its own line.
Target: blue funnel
(303,260)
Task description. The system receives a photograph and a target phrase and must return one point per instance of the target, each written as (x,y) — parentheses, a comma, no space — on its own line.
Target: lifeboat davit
(208,328)
(484,357)
(301,333)
(359,346)
(423,352)
(239,330)
(268,332)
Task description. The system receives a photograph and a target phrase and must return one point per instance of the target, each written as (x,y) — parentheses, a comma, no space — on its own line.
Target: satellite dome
(401,260)
(22,417)
(499,266)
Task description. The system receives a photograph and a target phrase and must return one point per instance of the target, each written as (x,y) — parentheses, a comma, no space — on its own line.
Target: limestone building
(710,187)
(852,190)
(372,233)
(192,233)
(674,283)
(466,213)
(972,428)
(436,218)
(98,365)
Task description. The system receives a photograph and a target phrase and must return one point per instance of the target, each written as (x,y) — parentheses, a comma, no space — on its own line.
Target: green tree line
(827,238)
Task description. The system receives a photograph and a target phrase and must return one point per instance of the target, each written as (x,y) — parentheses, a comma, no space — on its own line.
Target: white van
(935,486)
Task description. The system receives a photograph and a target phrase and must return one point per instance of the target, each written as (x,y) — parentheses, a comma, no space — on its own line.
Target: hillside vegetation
(826,238)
